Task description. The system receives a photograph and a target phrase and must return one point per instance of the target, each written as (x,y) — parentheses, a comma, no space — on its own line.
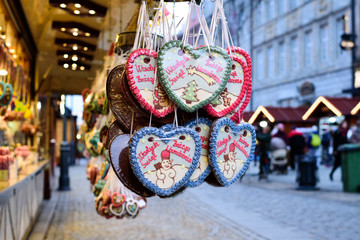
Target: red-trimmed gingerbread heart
(117,199)
(106,212)
(140,70)
(234,91)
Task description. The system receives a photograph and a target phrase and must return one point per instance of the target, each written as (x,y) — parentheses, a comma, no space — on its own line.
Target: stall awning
(330,106)
(278,114)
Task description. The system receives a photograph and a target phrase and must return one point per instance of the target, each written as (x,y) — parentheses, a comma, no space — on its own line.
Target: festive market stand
(20,199)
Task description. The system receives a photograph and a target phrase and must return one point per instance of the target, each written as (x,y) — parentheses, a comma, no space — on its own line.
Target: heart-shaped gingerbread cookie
(202,126)
(164,161)
(192,78)
(234,91)
(140,70)
(231,148)
(118,211)
(117,199)
(119,156)
(132,207)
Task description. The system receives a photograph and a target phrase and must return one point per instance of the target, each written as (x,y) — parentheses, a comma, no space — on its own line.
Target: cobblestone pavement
(247,210)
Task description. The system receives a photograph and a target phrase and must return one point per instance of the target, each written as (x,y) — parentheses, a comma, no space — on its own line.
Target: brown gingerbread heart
(119,156)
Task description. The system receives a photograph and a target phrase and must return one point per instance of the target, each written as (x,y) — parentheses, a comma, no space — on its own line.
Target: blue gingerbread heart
(164,161)
(231,149)
(202,126)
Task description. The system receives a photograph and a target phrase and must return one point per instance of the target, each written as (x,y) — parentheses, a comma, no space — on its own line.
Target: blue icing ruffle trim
(212,152)
(162,134)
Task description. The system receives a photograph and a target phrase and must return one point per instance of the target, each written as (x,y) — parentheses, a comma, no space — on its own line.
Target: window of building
(293,4)
(324,43)
(258,13)
(281,6)
(294,52)
(270,62)
(269,9)
(339,28)
(308,44)
(259,65)
(281,58)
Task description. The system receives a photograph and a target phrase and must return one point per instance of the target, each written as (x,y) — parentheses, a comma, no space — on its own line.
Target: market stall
(286,115)
(22,165)
(330,111)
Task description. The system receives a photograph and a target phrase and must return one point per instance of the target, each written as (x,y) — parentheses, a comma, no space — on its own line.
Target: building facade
(295,48)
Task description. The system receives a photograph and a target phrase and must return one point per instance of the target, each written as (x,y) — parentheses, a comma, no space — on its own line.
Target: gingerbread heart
(202,126)
(234,91)
(192,78)
(243,55)
(231,148)
(118,211)
(132,207)
(119,159)
(164,161)
(140,70)
(106,212)
(117,199)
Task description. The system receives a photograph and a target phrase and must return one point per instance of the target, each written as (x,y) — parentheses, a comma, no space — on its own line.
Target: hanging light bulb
(63,5)
(77,5)
(87,34)
(74,58)
(75,34)
(66,65)
(77,12)
(73,66)
(75,47)
(85,49)
(66,56)
(82,68)
(92,12)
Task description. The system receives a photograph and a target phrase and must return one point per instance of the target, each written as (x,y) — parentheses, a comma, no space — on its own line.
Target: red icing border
(227,110)
(248,91)
(244,54)
(235,118)
(132,84)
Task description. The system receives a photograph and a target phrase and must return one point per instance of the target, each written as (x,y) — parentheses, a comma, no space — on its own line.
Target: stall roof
(279,114)
(328,106)
(356,109)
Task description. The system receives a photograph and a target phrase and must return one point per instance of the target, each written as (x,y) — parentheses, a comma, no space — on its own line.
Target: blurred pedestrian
(325,143)
(297,146)
(340,137)
(313,143)
(355,137)
(281,133)
(264,138)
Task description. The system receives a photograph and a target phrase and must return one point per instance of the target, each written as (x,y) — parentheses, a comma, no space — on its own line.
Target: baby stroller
(279,161)
(278,155)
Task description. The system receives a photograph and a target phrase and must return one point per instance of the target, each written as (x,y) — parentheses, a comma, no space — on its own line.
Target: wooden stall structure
(332,106)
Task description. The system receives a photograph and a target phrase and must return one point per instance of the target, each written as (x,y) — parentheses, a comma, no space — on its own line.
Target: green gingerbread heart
(192,78)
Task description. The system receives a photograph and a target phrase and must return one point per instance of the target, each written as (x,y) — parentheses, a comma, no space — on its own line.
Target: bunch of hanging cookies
(178,106)
(112,198)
